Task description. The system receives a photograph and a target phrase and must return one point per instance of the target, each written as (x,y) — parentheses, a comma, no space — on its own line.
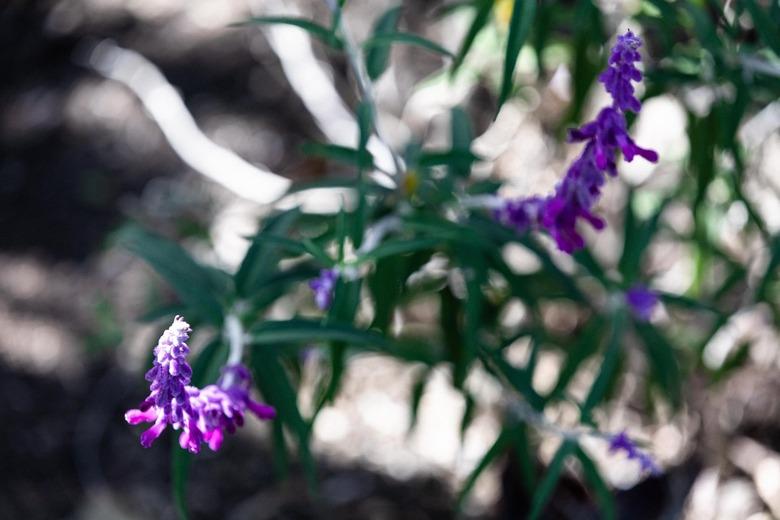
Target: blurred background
(160,113)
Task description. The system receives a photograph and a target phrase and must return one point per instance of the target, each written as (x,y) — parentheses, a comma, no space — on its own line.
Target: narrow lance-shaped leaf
(303,331)
(663,361)
(262,256)
(378,54)
(483,8)
(461,135)
(181,461)
(520,24)
(496,449)
(611,357)
(275,385)
(585,346)
(324,34)
(192,282)
(603,494)
(390,38)
(344,154)
(551,476)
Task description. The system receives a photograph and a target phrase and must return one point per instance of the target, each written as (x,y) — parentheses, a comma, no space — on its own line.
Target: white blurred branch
(167,109)
(313,83)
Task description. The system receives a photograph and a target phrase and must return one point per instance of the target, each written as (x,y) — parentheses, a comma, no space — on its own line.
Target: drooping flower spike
(202,415)
(579,191)
(622,442)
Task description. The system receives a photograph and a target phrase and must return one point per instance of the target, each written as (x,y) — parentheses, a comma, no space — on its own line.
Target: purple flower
(323,287)
(642,301)
(521,214)
(221,408)
(621,71)
(579,191)
(621,442)
(168,402)
(202,415)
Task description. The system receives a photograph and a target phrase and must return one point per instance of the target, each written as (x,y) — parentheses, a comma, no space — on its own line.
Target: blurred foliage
(733,54)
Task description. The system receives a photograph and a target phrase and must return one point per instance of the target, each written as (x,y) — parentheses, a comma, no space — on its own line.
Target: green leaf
(324,34)
(388,39)
(386,284)
(294,247)
(523,13)
(525,455)
(303,331)
(483,8)
(600,385)
(181,460)
(705,29)
(496,449)
(637,237)
(468,413)
(344,308)
(550,480)
(418,389)
(588,39)
(585,346)
(603,494)
(207,365)
(280,456)
(378,55)
(443,11)
(684,302)
(475,272)
(663,361)
(273,382)
(400,247)
(768,276)
(340,153)
(191,281)
(457,158)
(461,135)
(767,29)
(262,257)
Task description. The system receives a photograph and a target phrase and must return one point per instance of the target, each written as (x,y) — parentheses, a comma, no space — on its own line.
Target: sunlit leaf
(520,24)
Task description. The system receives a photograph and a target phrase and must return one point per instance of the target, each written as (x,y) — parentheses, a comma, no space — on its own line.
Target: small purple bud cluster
(642,302)
(576,195)
(202,415)
(323,287)
(621,442)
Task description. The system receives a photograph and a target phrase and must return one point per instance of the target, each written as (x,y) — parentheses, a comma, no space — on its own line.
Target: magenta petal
(150,435)
(262,411)
(137,416)
(214,439)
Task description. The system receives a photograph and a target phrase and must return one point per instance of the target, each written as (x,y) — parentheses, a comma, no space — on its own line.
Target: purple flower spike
(642,301)
(576,195)
(621,71)
(621,442)
(323,287)
(168,402)
(202,415)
